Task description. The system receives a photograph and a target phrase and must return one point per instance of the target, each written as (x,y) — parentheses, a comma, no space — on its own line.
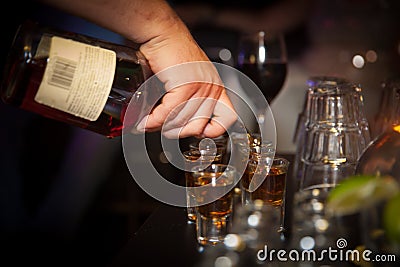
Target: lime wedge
(391,219)
(359,192)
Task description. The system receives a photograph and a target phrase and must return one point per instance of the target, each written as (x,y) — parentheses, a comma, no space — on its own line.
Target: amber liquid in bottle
(109,123)
(382,156)
(26,65)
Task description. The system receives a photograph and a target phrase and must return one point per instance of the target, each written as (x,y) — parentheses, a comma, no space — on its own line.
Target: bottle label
(77,79)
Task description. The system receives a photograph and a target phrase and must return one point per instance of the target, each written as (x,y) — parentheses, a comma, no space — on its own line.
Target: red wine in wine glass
(262,57)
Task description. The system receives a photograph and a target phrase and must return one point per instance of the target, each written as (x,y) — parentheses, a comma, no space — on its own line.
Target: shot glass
(311,228)
(196,158)
(246,146)
(314,228)
(265,179)
(213,195)
(258,225)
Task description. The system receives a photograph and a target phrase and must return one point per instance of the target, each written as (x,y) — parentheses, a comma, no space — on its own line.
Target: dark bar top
(167,239)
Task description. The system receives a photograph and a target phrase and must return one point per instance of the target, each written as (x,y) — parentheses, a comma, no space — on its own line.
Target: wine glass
(262,57)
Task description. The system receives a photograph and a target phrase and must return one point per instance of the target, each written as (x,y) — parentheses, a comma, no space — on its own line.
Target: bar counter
(167,239)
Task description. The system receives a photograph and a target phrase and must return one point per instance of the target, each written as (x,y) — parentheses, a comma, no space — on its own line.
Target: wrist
(152,19)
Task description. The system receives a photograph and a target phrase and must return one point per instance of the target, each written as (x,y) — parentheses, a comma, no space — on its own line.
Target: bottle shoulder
(382,156)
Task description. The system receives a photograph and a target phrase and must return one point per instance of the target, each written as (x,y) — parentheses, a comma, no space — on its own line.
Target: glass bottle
(382,156)
(74,78)
(385,116)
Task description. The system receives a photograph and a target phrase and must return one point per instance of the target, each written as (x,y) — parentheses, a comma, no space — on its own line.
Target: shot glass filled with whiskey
(213,195)
(195,158)
(265,179)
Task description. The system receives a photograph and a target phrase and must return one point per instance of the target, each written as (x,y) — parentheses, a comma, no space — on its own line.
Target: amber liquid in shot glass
(213,195)
(271,178)
(272,190)
(193,157)
(220,207)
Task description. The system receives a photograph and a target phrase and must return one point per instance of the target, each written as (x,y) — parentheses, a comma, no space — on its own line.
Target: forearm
(137,20)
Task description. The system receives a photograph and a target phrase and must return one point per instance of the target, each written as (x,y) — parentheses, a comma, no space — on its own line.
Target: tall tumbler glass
(334,136)
(312,82)
(302,119)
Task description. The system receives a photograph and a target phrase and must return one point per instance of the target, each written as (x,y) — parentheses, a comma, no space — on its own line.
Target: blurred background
(66,193)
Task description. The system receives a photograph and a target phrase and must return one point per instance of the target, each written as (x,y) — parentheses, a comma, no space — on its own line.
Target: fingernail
(141,125)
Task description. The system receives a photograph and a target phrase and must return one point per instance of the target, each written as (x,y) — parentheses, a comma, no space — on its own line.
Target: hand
(196,103)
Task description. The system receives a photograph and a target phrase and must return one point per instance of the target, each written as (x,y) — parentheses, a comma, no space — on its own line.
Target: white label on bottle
(77,79)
